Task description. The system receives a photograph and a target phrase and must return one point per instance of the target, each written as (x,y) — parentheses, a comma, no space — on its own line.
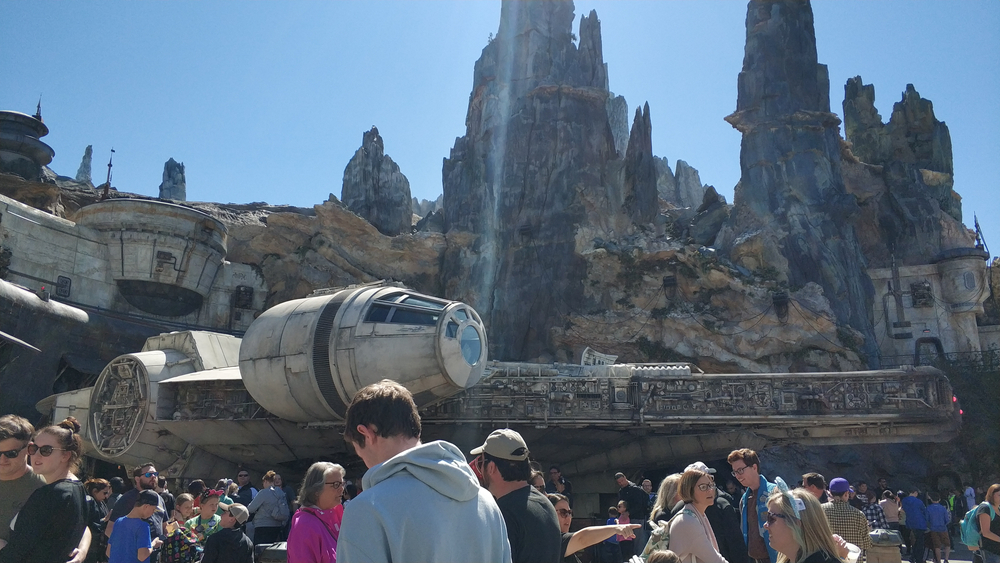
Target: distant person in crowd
(970,496)
(753,505)
(845,520)
(168,498)
(207,522)
(862,493)
(625,545)
(989,525)
(638,504)
(183,508)
(316,524)
(663,556)
(246,492)
(421,502)
(51,524)
(537,481)
(798,528)
(350,491)
(559,484)
(230,544)
(130,539)
(667,498)
(938,518)
(647,486)
(881,489)
(232,489)
(117,489)
(890,508)
(815,483)
(733,488)
(572,542)
(290,494)
(691,534)
(98,491)
(270,510)
(195,488)
(916,521)
(876,516)
(144,476)
(222,485)
(610,552)
(532,524)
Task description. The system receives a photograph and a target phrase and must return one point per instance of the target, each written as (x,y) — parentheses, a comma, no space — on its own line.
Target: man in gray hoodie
(421,502)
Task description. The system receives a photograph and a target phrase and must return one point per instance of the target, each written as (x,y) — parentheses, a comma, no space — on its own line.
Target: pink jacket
(313,535)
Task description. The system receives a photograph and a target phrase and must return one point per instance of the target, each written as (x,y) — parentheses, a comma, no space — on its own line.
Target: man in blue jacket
(916,521)
(753,505)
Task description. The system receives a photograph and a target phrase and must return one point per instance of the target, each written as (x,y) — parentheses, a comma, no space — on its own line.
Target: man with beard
(145,477)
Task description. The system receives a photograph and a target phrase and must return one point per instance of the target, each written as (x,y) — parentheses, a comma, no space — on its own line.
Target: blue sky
(267,101)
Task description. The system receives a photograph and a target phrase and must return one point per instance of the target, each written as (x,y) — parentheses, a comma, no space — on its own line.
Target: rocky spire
(792,214)
(83,172)
(174,185)
(375,189)
(640,169)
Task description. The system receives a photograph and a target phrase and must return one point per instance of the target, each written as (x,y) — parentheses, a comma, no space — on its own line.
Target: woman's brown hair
(67,433)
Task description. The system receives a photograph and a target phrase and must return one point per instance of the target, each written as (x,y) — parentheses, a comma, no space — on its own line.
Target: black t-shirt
(49,525)
(988,544)
(820,557)
(637,499)
(571,558)
(532,526)
(127,502)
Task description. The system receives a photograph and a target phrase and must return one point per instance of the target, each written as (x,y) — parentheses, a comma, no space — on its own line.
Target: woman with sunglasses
(799,530)
(316,525)
(572,542)
(52,521)
(691,535)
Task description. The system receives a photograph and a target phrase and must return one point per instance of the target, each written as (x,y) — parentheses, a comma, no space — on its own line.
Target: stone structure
(83,172)
(375,189)
(792,214)
(22,153)
(174,185)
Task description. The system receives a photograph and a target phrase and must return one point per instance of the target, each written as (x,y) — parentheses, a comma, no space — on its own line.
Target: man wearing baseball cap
(230,544)
(532,524)
(845,520)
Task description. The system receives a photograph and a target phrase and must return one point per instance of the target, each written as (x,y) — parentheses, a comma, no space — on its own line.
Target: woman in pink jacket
(316,525)
(691,535)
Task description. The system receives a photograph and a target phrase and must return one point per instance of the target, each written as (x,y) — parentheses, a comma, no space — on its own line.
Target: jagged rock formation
(375,189)
(792,214)
(640,169)
(83,172)
(174,185)
(423,207)
(902,174)
(709,218)
(617,109)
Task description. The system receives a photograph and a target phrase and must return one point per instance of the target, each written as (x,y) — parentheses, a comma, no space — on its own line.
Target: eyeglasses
(738,472)
(149,474)
(565,512)
(46,451)
(336,484)
(11,454)
(772,517)
(706,486)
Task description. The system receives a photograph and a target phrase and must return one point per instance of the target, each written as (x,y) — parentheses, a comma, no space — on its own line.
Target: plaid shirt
(848,522)
(875,516)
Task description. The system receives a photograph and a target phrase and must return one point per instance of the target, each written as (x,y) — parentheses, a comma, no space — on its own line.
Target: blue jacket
(764,490)
(916,513)
(938,517)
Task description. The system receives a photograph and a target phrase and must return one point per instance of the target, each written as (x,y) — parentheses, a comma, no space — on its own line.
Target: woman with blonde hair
(271,509)
(52,521)
(666,498)
(691,535)
(798,528)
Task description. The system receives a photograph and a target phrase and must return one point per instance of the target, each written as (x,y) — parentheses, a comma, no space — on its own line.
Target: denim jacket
(764,491)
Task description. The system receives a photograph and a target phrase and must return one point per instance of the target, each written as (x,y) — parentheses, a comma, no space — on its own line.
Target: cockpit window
(407,317)
(423,303)
(403,308)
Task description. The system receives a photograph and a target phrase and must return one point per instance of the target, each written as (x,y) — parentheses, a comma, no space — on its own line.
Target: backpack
(970,526)
(280,512)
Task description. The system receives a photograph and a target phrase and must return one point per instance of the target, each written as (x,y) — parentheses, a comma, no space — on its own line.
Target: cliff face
(538,151)
(902,174)
(792,213)
(375,189)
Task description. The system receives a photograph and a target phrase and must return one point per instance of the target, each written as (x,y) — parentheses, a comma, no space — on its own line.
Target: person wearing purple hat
(845,520)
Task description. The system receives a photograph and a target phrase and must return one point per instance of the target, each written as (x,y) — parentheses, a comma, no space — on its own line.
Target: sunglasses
(336,484)
(243,475)
(706,486)
(11,454)
(565,512)
(149,474)
(772,517)
(46,451)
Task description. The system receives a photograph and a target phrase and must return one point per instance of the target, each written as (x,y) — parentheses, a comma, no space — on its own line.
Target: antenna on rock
(980,239)
(107,185)
(38,109)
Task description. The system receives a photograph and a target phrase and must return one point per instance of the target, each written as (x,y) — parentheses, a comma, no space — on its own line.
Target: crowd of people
(426,502)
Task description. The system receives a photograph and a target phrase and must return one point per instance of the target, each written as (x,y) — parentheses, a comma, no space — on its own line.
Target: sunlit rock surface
(375,189)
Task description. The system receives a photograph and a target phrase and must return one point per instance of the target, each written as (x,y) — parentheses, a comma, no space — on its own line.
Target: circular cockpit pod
(118,406)
(304,360)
